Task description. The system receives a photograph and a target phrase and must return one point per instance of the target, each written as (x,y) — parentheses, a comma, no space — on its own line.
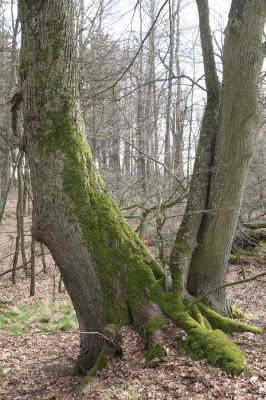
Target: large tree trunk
(110,275)
(74,217)
(243,55)
(51,117)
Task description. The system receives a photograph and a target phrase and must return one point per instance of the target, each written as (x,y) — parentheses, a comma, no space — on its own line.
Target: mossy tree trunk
(105,267)
(230,152)
(110,275)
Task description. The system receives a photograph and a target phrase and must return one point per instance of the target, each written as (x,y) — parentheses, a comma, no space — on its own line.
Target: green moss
(237,313)
(125,266)
(219,350)
(202,340)
(258,234)
(262,246)
(234,259)
(56,48)
(241,256)
(227,325)
(156,356)
(199,317)
(154,324)
(100,364)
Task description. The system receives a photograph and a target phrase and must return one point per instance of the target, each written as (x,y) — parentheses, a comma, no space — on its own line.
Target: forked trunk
(110,275)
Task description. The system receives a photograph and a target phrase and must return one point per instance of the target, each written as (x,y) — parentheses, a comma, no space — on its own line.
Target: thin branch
(252,278)
(138,51)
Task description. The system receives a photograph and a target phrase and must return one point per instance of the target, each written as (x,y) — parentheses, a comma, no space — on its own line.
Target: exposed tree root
(152,322)
(206,329)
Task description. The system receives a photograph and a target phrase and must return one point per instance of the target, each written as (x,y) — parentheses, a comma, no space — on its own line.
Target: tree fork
(110,275)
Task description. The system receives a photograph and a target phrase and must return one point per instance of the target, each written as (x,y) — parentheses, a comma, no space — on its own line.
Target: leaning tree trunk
(110,275)
(243,55)
(74,216)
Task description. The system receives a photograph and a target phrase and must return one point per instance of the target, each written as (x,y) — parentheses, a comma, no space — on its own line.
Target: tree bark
(110,275)
(186,239)
(98,254)
(51,117)
(243,55)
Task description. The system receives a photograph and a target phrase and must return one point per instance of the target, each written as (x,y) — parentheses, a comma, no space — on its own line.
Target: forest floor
(39,343)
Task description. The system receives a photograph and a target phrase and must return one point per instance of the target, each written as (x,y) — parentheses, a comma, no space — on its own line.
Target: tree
(110,275)
(205,237)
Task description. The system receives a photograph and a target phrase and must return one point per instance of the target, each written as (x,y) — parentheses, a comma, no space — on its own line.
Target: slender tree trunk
(140,134)
(243,57)
(44,265)
(167,145)
(178,131)
(32,267)
(19,211)
(23,208)
(186,239)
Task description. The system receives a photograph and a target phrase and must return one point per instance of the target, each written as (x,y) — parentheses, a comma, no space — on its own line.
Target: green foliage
(45,317)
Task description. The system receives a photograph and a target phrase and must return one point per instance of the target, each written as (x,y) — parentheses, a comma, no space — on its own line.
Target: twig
(252,278)
(138,51)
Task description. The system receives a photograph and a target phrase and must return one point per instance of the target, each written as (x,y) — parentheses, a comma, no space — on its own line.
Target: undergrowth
(18,318)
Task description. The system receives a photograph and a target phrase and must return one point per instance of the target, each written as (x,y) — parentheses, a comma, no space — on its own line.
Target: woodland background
(142,115)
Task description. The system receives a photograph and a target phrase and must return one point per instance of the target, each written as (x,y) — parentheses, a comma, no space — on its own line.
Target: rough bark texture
(243,57)
(186,239)
(109,273)
(51,116)
(74,217)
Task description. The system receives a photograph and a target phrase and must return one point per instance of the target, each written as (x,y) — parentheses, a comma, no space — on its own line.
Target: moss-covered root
(100,364)
(150,327)
(219,350)
(203,341)
(237,313)
(225,324)
(154,342)
(156,356)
